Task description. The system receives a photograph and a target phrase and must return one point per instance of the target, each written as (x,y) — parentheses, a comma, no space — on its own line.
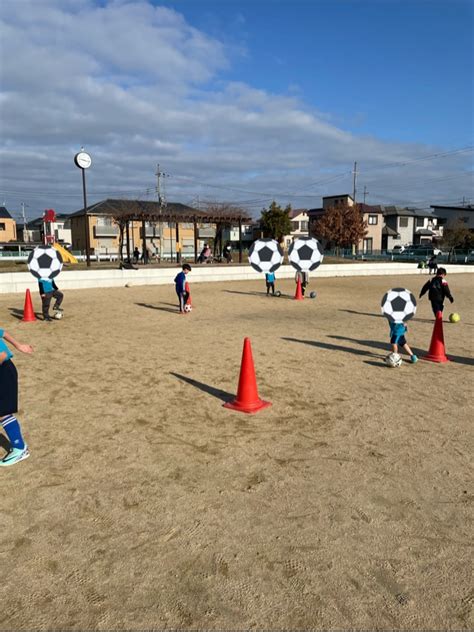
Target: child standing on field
(270,282)
(397,339)
(180,286)
(49,290)
(9,400)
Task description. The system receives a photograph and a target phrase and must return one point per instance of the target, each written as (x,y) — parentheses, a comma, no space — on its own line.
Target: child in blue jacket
(397,339)
(180,286)
(17,448)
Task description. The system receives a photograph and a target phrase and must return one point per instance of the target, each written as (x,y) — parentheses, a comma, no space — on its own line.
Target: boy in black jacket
(438,290)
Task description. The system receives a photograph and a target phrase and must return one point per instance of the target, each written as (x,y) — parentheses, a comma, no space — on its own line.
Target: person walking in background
(18,450)
(304,278)
(438,290)
(270,282)
(49,290)
(136,255)
(228,252)
(180,286)
(432,265)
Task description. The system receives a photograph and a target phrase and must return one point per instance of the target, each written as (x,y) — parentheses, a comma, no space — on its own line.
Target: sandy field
(146,504)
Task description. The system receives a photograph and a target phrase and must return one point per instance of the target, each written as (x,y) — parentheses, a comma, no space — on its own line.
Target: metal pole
(86,219)
(144,254)
(128,241)
(195,241)
(240,240)
(178,248)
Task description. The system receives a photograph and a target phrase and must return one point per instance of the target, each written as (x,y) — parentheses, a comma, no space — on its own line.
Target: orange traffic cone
(247,400)
(186,289)
(28,311)
(437,352)
(299,292)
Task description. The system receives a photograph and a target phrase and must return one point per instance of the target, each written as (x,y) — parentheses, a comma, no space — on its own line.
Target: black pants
(183,299)
(270,286)
(436,306)
(46,300)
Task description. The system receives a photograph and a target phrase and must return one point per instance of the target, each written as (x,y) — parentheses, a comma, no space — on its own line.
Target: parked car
(397,250)
(420,250)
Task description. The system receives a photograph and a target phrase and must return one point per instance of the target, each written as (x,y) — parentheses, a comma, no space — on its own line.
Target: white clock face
(83,160)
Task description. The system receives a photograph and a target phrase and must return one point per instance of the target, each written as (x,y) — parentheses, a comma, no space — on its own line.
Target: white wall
(12,282)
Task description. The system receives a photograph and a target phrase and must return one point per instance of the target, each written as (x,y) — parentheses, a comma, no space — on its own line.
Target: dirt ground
(146,504)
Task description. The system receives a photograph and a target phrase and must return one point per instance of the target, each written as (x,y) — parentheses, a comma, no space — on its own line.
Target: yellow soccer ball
(454,318)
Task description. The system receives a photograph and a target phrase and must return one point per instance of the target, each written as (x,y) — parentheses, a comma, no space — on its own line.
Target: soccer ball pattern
(398,305)
(45,262)
(265,255)
(393,360)
(188,307)
(305,254)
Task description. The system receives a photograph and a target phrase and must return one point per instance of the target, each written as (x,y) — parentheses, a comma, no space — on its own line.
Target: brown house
(7,226)
(171,232)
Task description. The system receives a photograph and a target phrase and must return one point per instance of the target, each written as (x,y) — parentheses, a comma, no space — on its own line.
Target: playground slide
(67,256)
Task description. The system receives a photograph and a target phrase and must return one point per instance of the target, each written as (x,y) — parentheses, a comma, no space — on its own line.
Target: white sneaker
(15,456)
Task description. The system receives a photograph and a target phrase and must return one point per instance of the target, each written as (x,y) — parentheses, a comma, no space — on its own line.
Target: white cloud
(137,85)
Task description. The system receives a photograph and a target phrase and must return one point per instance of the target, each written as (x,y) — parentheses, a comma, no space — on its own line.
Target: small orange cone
(437,352)
(299,292)
(186,289)
(247,400)
(28,311)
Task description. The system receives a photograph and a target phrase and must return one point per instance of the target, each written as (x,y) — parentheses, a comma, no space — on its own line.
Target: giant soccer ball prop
(265,255)
(305,254)
(398,305)
(393,360)
(45,262)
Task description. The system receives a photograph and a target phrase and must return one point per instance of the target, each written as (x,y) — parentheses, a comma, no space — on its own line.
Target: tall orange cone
(28,311)
(299,291)
(247,400)
(437,352)
(187,289)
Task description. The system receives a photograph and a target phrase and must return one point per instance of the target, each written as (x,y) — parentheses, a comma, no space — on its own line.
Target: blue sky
(399,69)
(239,102)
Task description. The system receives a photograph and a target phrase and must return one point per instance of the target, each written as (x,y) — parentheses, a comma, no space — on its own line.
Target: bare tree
(342,226)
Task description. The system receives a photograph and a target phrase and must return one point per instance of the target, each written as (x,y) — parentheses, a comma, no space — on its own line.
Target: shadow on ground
(211,390)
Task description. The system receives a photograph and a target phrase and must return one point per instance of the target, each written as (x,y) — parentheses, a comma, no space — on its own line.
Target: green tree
(342,226)
(275,222)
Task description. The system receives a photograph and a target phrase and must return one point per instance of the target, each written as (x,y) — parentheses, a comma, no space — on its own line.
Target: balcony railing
(106,231)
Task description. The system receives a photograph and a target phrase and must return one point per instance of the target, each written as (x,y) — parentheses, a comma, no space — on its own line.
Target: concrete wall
(11,282)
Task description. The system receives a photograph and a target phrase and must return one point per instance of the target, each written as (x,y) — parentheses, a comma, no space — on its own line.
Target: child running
(9,400)
(397,338)
(180,285)
(438,290)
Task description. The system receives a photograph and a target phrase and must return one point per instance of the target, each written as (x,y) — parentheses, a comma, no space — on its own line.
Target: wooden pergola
(125,211)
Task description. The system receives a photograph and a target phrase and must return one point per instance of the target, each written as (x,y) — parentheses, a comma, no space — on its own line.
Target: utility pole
(26,236)
(365,193)
(354,190)
(161,204)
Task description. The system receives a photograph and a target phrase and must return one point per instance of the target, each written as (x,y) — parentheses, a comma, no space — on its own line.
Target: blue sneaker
(15,456)
(414,359)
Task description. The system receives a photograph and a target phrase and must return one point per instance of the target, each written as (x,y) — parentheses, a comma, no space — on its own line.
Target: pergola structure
(125,211)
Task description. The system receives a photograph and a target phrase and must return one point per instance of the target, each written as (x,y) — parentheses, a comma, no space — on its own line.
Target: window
(367,246)
(104,221)
(2,226)
(403,222)
(303,225)
(420,222)
(373,219)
